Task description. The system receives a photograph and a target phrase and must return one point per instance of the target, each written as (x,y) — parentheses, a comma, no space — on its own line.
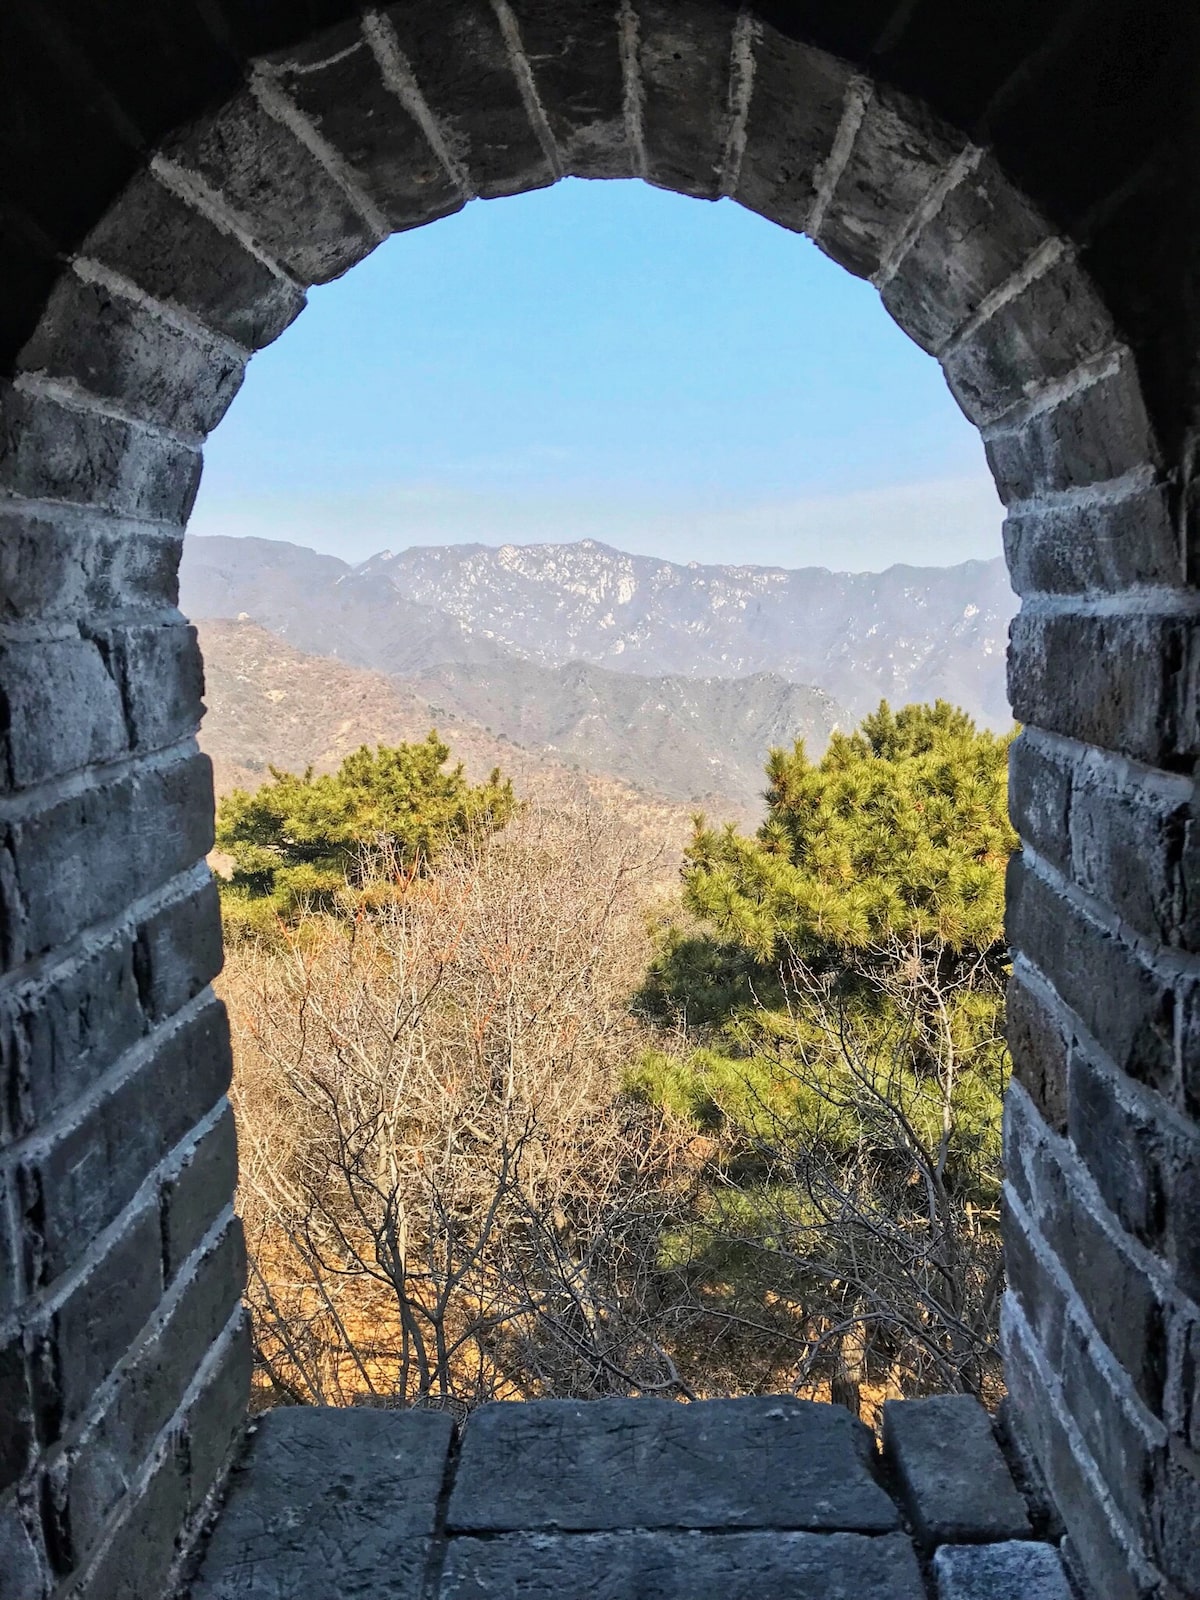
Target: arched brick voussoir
(100,338)
(472,74)
(799,98)
(250,170)
(577,53)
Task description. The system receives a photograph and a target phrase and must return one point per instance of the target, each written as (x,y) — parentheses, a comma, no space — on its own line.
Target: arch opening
(111,926)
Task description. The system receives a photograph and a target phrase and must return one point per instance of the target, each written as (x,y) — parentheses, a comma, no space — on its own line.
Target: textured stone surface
(757,1463)
(683,1566)
(330,1498)
(954,1479)
(1016,1571)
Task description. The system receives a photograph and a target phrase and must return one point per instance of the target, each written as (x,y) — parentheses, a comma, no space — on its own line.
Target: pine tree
(305,840)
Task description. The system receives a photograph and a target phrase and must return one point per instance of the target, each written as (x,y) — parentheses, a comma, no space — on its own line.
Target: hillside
(272,705)
(909,633)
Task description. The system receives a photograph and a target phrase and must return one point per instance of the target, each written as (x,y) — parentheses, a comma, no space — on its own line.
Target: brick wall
(181,210)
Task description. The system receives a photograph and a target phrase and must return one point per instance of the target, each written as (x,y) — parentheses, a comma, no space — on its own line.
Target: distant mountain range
(675,679)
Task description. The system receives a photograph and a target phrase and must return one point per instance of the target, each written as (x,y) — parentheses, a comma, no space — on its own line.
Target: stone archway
(124,1350)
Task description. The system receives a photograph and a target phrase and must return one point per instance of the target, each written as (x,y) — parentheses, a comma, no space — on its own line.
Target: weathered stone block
(66,565)
(1113,1280)
(1091,436)
(60,710)
(1175,1518)
(1124,1440)
(113,347)
(464,71)
(1107,1549)
(198,1186)
(170,250)
(795,111)
(952,1475)
(89,855)
(1052,326)
(216,1415)
(575,57)
(1106,546)
(982,233)
(1111,989)
(58,1036)
(161,675)
(684,60)
(136,1559)
(12,1269)
(50,451)
(290,203)
(103,1464)
(1019,1570)
(22,1557)
(322,1491)
(1039,797)
(1037,1041)
(337,83)
(682,1566)
(1126,846)
(16,1411)
(900,149)
(604,1464)
(177,952)
(1105,680)
(82,1338)
(1034,1277)
(81,1182)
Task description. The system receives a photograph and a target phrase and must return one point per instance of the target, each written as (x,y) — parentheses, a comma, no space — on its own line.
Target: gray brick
(1110,1557)
(1092,436)
(161,676)
(1125,1441)
(1050,328)
(137,1557)
(1039,798)
(49,451)
(463,70)
(1113,1282)
(16,1411)
(1107,547)
(337,83)
(286,1515)
(1117,996)
(172,252)
(291,204)
(900,149)
(1108,681)
(1175,1515)
(954,1480)
(89,855)
(102,1466)
(1038,1043)
(1118,1137)
(1033,1278)
(57,1037)
(794,114)
(60,710)
(82,1181)
(1125,850)
(979,237)
(607,1464)
(1018,1570)
(22,1557)
(67,565)
(197,1188)
(682,1566)
(216,1415)
(115,348)
(83,1338)
(178,951)
(574,54)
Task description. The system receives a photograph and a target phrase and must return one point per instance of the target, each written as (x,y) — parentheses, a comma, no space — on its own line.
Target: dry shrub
(446,1196)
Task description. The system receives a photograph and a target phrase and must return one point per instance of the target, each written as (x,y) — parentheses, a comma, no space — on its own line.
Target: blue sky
(609,361)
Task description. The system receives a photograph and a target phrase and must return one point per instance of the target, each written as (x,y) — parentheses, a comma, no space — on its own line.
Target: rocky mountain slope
(271,705)
(909,633)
